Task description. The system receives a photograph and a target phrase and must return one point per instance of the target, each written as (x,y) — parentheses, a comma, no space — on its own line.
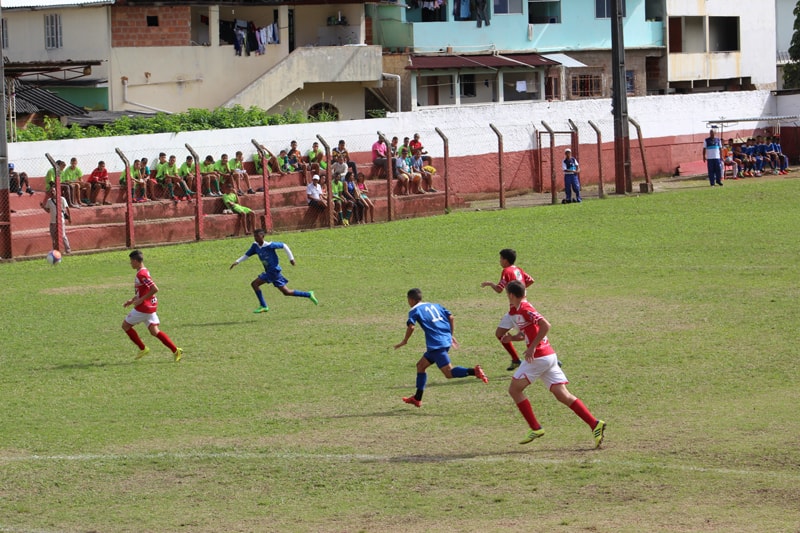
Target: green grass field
(675,314)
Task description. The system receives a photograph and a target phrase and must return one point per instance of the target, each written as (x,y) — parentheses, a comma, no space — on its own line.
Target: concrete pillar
(213,25)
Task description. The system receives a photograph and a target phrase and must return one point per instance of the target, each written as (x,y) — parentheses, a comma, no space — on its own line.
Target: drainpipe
(125,98)
(396,78)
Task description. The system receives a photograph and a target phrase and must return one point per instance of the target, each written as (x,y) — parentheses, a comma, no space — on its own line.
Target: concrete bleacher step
(161,221)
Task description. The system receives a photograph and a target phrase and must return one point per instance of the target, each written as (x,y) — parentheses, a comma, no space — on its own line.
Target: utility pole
(619,104)
(5,202)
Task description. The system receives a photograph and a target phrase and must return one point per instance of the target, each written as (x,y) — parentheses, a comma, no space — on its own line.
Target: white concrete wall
(467,128)
(86,35)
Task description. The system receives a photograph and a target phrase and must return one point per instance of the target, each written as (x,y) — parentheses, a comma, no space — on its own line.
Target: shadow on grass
(443,458)
(87,365)
(400,411)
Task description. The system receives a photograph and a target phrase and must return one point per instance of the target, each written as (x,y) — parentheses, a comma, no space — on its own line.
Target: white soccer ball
(54,257)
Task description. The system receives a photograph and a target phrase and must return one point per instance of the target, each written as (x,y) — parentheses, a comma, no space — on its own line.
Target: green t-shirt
(187,169)
(223,168)
(284,164)
(336,188)
(257,163)
(206,168)
(50,179)
(70,174)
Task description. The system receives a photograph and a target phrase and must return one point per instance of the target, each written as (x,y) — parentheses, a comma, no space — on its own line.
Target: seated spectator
(316,159)
(98,180)
(351,196)
(283,161)
(18,182)
(240,174)
(363,191)
(247,219)
(294,158)
(168,175)
(138,188)
(210,177)
(342,151)
(72,176)
(340,204)
(419,167)
(223,169)
(393,148)
(405,149)
(50,180)
(380,161)
(314,194)
(339,166)
(416,144)
(272,163)
(403,174)
(783,159)
(187,172)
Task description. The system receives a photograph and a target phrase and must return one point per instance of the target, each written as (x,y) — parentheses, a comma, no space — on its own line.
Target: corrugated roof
(478,61)
(44,4)
(32,99)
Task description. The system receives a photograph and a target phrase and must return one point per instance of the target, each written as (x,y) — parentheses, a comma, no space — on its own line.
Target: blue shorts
(276,279)
(439,356)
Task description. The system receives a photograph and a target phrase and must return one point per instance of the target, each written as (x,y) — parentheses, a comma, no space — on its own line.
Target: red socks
(511,350)
(582,411)
(135,338)
(166,341)
(527,412)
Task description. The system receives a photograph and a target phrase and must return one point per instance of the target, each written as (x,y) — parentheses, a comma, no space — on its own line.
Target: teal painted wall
(92,98)
(579,29)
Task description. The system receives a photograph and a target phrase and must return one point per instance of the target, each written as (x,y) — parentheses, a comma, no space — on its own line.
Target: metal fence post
(59,222)
(600,190)
(446,142)
(553,193)
(500,165)
(648,184)
(130,240)
(198,208)
(328,178)
(265,155)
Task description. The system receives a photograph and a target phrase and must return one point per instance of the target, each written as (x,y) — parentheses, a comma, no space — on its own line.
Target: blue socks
(459,372)
(422,379)
(261,298)
(302,294)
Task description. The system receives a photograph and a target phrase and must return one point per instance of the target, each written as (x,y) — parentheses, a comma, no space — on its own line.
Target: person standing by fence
(712,157)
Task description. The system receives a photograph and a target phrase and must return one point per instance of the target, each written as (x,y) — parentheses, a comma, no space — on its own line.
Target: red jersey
(98,175)
(142,285)
(512,273)
(526,319)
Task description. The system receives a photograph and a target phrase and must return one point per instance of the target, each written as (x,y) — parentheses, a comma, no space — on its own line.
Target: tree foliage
(791,71)
(191,120)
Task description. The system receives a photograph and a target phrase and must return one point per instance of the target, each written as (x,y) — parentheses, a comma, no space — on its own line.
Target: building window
(507,7)
(152,21)
(723,34)
(544,12)
(552,88)
(467,82)
(587,86)
(4,29)
(52,31)
(604,9)
(630,83)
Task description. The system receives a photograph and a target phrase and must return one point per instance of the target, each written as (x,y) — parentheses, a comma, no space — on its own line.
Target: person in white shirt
(314,194)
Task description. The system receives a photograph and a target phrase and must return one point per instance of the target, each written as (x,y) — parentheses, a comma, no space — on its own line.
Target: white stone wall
(467,129)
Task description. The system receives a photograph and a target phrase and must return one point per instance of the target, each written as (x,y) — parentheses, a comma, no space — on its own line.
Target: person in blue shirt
(272,269)
(712,156)
(438,324)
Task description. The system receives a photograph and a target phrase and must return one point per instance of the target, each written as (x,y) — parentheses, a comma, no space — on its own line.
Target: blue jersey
(435,322)
(266,253)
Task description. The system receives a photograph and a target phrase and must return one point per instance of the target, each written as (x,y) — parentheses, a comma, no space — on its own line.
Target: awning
(52,4)
(491,61)
(565,60)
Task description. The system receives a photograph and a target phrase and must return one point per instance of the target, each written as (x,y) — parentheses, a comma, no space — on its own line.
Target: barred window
(52,31)
(587,85)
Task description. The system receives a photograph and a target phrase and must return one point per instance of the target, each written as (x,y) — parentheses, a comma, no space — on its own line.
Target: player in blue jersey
(438,325)
(272,269)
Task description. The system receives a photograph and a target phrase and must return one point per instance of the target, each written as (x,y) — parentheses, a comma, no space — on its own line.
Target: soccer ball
(54,257)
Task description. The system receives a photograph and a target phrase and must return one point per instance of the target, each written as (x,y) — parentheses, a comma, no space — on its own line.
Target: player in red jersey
(540,362)
(145,305)
(510,273)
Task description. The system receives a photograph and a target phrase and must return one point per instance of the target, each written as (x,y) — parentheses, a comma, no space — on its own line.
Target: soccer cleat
(514,365)
(480,374)
(599,432)
(532,435)
(178,354)
(313,298)
(413,401)
(262,309)
(142,353)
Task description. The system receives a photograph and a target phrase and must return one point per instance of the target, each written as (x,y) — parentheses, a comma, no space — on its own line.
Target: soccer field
(675,315)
